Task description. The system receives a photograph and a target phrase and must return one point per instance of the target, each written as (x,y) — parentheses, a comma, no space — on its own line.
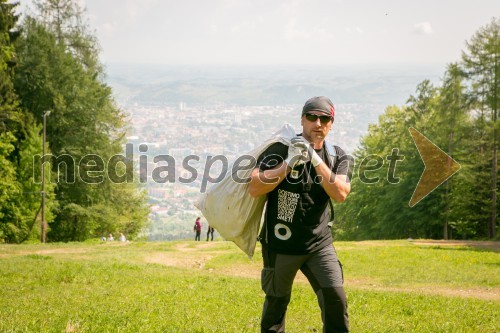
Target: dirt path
(186,256)
(489,245)
(190,257)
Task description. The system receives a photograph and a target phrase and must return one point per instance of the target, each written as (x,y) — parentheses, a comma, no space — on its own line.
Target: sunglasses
(314,117)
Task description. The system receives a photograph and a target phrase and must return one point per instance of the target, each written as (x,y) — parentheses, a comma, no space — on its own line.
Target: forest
(50,70)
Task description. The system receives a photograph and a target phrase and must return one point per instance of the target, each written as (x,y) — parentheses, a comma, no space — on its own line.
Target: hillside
(185,286)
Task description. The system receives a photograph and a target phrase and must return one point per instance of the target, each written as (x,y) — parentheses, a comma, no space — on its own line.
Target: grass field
(392,286)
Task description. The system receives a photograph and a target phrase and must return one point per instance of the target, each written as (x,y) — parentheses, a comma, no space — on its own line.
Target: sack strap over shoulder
(332,153)
(332,156)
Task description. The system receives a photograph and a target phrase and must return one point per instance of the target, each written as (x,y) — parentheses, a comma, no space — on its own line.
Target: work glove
(305,146)
(297,155)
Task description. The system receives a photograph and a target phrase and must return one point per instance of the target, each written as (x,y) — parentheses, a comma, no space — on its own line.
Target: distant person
(197,229)
(306,175)
(210,232)
(122,238)
(111,238)
(103,238)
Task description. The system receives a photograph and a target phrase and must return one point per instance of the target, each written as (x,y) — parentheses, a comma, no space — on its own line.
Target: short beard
(319,136)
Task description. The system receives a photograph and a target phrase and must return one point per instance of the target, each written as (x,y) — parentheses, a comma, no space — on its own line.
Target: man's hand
(302,144)
(297,153)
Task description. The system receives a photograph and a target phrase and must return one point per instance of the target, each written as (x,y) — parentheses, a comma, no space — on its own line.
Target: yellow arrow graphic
(439,166)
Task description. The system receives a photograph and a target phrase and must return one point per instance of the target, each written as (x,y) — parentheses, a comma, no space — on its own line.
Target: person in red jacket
(197,229)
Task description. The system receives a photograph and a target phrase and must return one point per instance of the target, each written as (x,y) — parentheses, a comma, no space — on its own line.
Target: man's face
(315,130)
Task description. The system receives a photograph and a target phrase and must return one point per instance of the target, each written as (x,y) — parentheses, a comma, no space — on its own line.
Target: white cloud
(423,28)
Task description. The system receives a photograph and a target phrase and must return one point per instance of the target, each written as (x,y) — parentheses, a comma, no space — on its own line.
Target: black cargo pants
(324,272)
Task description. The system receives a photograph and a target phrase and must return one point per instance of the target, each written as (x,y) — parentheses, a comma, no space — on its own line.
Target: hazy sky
(329,32)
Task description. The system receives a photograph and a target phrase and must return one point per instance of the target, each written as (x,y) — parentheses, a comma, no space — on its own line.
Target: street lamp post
(44,227)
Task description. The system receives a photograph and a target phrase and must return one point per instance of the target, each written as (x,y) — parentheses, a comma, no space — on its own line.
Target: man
(299,181)
(210,231)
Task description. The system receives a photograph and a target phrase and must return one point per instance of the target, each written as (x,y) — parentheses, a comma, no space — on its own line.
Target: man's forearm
(263,182)
(336,186)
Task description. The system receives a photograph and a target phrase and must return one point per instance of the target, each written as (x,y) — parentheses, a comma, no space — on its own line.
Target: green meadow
(186,286)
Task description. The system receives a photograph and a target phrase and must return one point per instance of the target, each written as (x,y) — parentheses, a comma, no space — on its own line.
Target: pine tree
(65,19)
(9,190)
(482,64)
(10,124)
(10,116)
(450,129)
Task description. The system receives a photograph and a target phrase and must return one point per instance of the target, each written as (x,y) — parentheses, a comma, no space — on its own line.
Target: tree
(9,190)
(10,123)
(53,75)
(451,127)
(378,205)
(482,66)
(29,201)
(65,19)
(9,112)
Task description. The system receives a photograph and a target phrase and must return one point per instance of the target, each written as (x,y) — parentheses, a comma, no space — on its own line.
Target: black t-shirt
(298,212)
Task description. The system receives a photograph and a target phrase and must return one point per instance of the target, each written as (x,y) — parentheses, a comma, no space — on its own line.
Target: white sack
(230,209)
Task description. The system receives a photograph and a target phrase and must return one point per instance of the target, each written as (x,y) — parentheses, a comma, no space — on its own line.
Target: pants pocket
(341,271)
(267,281)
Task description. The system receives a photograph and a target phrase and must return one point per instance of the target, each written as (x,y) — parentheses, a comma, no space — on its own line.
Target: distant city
(178,123)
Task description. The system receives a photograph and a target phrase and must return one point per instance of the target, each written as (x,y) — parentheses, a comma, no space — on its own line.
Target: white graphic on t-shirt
(287,203)
(282,232)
